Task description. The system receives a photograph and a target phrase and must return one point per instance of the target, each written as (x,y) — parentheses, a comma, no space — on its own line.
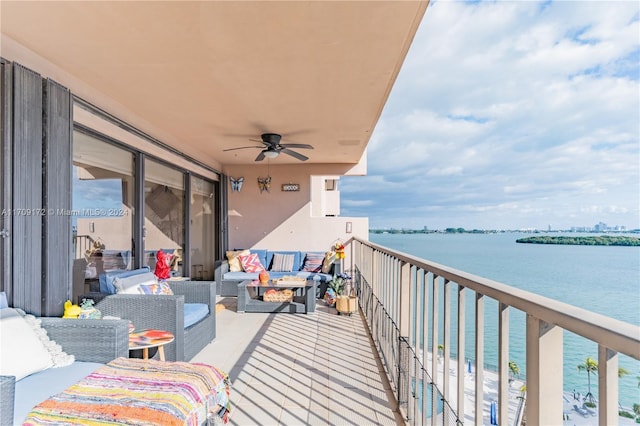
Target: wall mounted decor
(236,184)
(264,184)
(290,187)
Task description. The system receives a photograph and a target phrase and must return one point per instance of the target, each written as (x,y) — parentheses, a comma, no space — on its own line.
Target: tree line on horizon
(602,240)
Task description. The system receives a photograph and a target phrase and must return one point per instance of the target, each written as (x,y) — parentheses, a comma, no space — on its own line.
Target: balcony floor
(285,369)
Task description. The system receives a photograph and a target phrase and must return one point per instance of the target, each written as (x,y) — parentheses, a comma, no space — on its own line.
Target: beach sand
(575,417)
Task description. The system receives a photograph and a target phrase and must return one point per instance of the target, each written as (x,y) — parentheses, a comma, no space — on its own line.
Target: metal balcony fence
(411,305)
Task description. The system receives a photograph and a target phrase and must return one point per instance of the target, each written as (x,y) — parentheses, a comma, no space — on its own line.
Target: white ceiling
(204,76)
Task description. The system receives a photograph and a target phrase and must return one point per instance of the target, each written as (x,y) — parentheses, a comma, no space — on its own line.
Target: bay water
(602,279)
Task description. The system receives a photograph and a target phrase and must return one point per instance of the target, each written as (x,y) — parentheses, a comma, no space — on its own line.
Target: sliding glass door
(164,220)
(202,229)
(103,210)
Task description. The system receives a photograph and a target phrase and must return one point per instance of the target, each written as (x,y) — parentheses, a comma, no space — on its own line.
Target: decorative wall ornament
(290,187)
(264,184)
(236,184)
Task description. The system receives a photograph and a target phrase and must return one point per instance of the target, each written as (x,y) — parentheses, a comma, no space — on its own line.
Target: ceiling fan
(272,147)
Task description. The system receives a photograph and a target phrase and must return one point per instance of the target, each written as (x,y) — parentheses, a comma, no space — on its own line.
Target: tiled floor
(316,369)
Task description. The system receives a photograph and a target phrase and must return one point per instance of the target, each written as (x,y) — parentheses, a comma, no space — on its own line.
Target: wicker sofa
(92,342)
(164,312)
(228,280)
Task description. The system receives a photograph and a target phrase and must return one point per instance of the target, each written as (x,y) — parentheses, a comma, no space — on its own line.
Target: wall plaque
(290,187)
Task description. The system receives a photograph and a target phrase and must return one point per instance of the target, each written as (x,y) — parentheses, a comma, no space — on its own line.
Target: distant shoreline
(604,240)
(493,231)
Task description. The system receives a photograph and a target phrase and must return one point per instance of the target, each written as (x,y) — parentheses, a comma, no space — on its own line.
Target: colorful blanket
(136,392)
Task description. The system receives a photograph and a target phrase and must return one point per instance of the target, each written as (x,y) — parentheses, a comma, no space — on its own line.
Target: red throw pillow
(251,263)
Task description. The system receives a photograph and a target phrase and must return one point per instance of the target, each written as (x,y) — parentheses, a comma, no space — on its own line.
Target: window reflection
(164,215)
(102,213)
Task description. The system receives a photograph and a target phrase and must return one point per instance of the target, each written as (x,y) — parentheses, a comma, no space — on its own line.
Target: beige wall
(285,220)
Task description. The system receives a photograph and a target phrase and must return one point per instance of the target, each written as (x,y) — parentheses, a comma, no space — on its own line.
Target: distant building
(600,227)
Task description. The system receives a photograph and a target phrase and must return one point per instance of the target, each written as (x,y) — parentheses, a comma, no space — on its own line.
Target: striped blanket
(136,392)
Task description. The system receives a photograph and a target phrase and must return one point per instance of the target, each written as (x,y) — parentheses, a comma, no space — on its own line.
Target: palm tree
(440,350)
(590,366)
(514,370)
(622,372)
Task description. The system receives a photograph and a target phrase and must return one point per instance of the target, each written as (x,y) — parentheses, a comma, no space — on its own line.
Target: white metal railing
(400,294)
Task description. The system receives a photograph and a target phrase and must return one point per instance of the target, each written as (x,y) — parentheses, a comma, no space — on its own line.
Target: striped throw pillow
(313,262)
(282,262)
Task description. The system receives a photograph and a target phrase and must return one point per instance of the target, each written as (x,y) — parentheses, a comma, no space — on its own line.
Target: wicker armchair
(162,312)
(88,340)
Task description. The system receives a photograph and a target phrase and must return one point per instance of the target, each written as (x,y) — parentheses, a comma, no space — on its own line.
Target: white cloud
(512,112)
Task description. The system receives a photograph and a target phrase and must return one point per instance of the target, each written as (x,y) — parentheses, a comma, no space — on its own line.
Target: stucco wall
(284,220)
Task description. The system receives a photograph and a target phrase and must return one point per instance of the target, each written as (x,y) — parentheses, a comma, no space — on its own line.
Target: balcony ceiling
(207,76)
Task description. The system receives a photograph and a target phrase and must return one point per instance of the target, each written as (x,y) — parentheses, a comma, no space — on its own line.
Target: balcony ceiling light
(270,153)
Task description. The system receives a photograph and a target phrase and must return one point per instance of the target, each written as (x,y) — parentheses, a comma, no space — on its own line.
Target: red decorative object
(263,277)
(162,265)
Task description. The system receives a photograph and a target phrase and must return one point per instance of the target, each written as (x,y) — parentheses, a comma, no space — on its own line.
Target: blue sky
(510,115)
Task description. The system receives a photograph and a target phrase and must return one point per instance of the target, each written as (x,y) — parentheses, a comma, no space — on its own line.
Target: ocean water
(597,278)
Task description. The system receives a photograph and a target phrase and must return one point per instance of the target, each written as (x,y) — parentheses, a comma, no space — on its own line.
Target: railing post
(607,386)
(461,349)
(435,301)
(404,316)
(446,341)
(425,339)
(479,359)
(404,327)
(503,364)
(544,372)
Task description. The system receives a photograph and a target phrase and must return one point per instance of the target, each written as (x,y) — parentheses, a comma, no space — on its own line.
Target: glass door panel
(103,210)
(202,229)
(164,197)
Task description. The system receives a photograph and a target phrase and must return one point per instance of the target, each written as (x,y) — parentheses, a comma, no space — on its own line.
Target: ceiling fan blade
(294,154)
(262,142)
(242,147)
(296,145)
(260,156)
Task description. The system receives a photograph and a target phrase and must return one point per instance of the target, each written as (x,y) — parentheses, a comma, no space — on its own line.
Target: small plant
(338,282)
(590,404)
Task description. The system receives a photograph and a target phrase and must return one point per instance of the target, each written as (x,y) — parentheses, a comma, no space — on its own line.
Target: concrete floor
(297,369)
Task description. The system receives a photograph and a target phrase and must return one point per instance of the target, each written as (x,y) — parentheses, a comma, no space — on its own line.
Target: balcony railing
(408,302)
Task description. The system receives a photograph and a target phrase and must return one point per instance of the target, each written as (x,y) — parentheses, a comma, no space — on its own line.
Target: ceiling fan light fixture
(270,153)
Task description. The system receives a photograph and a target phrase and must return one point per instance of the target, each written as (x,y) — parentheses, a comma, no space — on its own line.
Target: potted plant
(346,301)
(338,282)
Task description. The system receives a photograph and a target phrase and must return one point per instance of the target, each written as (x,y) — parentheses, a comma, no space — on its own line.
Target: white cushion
(131,284)
(21,350)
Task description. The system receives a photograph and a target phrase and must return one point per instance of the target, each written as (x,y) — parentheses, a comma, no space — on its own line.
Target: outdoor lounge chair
(169,313)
